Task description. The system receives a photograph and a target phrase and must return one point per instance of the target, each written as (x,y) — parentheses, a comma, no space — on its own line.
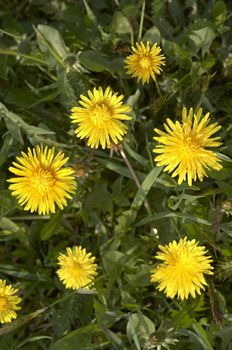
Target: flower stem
(135,178)
(158,89)
(141,20)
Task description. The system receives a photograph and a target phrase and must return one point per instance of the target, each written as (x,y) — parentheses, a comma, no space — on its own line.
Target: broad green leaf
(140,277)
(52,226)
(21,97)
(104,316)
(94,61)
(84,338)
(120,23)
(113,261)
(203,38)
(49,39)
(152,35)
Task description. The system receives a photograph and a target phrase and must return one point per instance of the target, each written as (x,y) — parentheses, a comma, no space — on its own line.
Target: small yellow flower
(77,268)
(8,302)
(145,62)
(41,180)
(183,146)
(99,120)
(182,269)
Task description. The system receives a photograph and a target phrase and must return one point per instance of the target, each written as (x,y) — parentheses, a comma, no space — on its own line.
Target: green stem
(132,35)
(141,20)
(135,178)
(11,35)
(158,89)
(15,53)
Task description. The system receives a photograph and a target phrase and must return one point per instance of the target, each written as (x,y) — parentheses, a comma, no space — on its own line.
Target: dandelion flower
(145,62)
(182,269)
(77,268)
(183,146)
(42,181)
(99,120)
(8,302)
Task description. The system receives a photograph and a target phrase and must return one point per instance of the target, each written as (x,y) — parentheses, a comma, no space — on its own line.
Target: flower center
(76,268)
(188,146)
(145,62)
(100,114)
(3,302)
(181,259)
(43,181)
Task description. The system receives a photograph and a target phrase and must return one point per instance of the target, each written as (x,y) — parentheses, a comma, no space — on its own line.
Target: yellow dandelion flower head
(8,302)
(77,268)
(182,269)
(182,149)
(99,120)
(42,182)
(146,62)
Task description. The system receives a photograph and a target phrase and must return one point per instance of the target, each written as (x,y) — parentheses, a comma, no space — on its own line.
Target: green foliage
(50,53)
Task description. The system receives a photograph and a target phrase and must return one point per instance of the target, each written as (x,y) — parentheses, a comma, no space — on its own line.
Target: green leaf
(90,13)
(224,157)
(113,261)
(163,215)
(52,226)
(104,316)
(93,60)
(219,12)
(141,277)
(14,130)
(32,340)
(145,188)
(21,321)
(120,23)
(203,38)
(4,152)
(21,273)
(84,338)
(202,336)
(125,221)
(50,40)
(226,337)
(16,123)
(8,226)
(139,327)
(152,35)
(143,161)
